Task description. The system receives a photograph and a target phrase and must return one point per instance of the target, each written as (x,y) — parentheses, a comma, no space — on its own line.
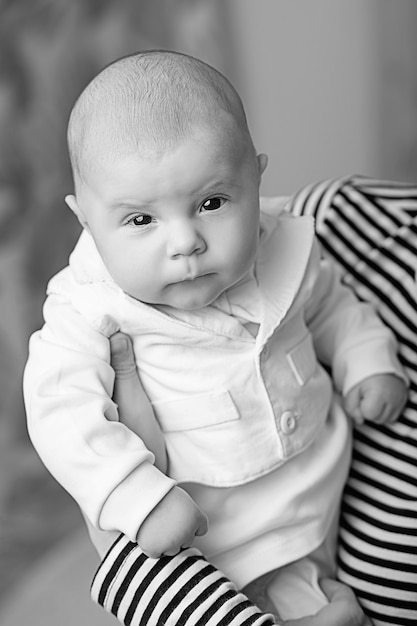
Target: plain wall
(309,75)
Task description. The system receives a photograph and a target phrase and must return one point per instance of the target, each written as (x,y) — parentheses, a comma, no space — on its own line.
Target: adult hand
(343,608)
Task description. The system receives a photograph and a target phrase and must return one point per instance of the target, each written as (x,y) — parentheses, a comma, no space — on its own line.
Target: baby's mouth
(191,271)
(190,278)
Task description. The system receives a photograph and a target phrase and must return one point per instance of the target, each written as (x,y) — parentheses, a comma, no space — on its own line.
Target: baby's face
(181,228)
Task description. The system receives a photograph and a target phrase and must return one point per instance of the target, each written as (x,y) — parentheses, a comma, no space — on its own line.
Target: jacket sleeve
(73,424)
(348,335)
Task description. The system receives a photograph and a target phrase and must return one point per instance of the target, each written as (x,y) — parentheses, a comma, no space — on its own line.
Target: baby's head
(166,177)
(146,104)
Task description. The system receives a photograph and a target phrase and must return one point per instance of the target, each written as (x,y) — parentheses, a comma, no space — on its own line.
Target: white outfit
(253,429)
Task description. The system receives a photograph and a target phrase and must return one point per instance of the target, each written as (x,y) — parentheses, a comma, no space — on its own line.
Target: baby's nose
(184,240)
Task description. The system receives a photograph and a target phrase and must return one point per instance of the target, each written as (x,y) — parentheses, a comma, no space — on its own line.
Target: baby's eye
(213,204)
(140,220)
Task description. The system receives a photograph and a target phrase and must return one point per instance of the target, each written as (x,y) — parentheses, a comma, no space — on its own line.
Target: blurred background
(330,88)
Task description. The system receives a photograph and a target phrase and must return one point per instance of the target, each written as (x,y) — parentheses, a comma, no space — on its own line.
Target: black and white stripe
(184,590)
(370,228)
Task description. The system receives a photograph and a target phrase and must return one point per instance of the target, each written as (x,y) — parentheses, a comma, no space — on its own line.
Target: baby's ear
(71,201)
(262,163)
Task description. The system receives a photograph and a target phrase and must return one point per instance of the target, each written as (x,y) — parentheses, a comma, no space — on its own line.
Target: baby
(242,444)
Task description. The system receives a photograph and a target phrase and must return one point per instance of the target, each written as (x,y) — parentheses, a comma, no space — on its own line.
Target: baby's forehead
(222,135)
(215,155)
(115,140)
(126,110)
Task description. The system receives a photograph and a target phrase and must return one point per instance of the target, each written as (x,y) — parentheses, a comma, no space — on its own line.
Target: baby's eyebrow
(217,186)
(129,206)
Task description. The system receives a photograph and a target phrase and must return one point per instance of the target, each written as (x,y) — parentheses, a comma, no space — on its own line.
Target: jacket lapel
(281,267)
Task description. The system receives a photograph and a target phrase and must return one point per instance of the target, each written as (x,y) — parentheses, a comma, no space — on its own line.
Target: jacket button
(288,422)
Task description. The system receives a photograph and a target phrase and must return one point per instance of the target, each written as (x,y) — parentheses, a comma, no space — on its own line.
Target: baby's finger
(173,551)
(351,404)
(152,554)
(372,407)
(388,416)
(186,542)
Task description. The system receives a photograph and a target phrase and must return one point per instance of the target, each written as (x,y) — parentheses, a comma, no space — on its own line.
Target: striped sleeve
(369,228)
(184,589)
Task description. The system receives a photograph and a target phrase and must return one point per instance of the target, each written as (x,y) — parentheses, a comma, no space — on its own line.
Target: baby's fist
(379,399)
(171,525)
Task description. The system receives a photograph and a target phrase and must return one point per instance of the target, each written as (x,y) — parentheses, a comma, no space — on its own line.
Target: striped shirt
(370,228)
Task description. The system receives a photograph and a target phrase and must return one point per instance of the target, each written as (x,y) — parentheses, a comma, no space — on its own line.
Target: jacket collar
(86,263)
(281,267)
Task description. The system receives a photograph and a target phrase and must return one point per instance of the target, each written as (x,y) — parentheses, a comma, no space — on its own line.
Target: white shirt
(252,427)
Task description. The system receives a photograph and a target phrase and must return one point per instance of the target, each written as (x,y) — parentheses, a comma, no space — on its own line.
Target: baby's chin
(191,295)
(189,304)
(180,303)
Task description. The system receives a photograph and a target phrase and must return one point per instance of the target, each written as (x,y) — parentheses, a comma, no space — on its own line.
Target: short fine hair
(146,103)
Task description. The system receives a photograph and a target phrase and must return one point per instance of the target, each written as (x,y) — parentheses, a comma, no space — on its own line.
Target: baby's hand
(379,399)
(171,525)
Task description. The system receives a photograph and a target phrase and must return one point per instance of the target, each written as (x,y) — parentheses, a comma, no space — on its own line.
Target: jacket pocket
(195,412)
(302,359)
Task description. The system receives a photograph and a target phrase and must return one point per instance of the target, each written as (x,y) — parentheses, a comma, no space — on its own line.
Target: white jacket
(255,417)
